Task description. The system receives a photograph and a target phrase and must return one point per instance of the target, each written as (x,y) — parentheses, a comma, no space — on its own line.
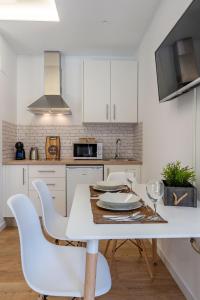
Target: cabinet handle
(23,176)
(108,171)
(114,111)
(51,184)
(107,111)
(46,171)
(53,197)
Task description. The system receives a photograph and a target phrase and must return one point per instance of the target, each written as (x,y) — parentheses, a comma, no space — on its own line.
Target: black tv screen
(178,57)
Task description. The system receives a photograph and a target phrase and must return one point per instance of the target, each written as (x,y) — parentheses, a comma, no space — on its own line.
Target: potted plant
(178,187)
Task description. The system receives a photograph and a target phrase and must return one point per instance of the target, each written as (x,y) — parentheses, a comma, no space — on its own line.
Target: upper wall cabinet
(110,91)
(123,91)
(96,95)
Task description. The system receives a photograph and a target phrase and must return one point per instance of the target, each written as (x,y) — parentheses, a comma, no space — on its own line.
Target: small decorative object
(52,147)
(178,187)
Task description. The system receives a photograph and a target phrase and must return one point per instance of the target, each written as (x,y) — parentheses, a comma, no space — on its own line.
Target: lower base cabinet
(17,179)
(57,196)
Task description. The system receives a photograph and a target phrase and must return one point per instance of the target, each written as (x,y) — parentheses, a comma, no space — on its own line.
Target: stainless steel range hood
(52,101)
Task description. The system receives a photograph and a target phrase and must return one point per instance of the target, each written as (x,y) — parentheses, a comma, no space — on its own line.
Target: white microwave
(88,151)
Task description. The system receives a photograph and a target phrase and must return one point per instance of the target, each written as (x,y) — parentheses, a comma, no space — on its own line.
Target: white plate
(108,207)
(97,188)
(111,184)
(119,198)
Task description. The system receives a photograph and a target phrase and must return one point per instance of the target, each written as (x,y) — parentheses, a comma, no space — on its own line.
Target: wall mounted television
(178,57)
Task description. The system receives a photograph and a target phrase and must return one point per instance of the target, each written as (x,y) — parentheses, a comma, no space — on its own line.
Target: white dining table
(183,222)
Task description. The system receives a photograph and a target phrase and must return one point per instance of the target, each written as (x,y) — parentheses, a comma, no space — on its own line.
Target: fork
(122,216)
(138,218)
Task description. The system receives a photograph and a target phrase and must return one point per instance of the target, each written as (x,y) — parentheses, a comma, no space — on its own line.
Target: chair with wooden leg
(49,269)
(54,224)
(115,245)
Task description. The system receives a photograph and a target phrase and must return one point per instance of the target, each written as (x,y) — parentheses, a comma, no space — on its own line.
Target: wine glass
(131,178)
(155,191)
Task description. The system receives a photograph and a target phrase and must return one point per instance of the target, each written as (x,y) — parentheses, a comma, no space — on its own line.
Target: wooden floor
(130,279)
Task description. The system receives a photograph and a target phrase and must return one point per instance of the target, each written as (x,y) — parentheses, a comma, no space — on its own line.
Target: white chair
(121,177)
(118,176)
(49,269)
(54,223)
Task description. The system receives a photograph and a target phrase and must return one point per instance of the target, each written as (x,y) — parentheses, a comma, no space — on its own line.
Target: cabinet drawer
(59,200)
(54,184)
(46,171)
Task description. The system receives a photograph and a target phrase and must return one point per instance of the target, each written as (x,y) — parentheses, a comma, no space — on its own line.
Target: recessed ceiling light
(32,10)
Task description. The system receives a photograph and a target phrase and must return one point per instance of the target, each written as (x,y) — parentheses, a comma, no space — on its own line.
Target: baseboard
(2,225)
(177,277)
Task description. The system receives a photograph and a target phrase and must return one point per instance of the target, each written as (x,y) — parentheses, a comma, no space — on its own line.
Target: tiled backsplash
(9,138)
(130,135)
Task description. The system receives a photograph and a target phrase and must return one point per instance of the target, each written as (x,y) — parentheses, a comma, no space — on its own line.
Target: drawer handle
(23,176)
(53,197)
(114,111)
(46,171)
(51,184)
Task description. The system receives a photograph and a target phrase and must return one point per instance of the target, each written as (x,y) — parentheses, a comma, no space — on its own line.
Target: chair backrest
(118,176)
(49,214)
(32,241)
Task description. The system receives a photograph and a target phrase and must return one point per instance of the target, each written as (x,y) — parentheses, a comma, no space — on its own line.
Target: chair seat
(57,228)
(62,272)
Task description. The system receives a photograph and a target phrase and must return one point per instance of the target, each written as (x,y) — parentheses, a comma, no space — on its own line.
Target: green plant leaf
(176,175)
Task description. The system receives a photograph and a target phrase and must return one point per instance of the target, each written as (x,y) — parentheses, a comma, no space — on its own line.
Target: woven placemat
(98,214)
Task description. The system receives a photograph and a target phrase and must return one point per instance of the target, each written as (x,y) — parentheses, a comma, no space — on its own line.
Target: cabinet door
(123,91)
(122,168)
(15,181)
(96,94)
(59,200)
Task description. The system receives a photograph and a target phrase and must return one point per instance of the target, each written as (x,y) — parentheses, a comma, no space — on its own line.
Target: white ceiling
(86,27)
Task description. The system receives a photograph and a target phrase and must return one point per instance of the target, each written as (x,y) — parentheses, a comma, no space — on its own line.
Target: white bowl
(105,205)
(119,198)
(109,184)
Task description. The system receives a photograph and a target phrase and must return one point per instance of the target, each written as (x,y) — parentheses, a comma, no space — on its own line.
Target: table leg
(154,251)
(90,269)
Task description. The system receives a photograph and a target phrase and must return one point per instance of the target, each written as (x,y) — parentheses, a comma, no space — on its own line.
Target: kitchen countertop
(71,161)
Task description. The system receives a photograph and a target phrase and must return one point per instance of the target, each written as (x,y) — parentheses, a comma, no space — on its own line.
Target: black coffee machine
(20,152)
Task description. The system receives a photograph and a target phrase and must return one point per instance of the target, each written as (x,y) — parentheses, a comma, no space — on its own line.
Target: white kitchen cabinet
(54,177)
(110,91)
(18,180)
(96,91)
(58,201)
(15,181)
(47,171)
(123,91)
(122,168)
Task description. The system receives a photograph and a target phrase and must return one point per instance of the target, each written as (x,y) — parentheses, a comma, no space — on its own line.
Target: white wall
(7,82)
(168,135)
(8,110)
(30,88)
